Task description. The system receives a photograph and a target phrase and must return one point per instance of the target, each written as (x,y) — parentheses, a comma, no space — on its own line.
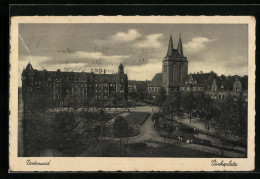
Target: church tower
(121,69)
(174,67)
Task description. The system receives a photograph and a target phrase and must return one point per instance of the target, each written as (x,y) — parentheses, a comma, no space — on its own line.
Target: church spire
(170,47)
(179,48)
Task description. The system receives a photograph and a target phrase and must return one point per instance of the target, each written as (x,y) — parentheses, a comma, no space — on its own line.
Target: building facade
(137,86)
(155,85)
(174,67)
(174,70)
(218,88)
(62,88)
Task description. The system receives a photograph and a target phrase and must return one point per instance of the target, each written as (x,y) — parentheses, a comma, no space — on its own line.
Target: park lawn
(137,118)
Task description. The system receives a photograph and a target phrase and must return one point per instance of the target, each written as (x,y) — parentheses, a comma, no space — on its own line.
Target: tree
(34,105)
(66,136)
(115,99)
(97,130)
(207,110)
(38,135)
(226,122)
(121,130)
(177,102)
(189,104)
(242,116)
(160,97)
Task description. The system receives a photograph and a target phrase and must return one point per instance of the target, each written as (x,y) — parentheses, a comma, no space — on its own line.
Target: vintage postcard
(132,93)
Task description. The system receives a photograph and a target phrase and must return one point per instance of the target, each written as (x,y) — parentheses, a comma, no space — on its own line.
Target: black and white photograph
(133,90)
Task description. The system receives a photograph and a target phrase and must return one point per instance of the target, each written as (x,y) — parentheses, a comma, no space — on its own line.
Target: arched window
(174,72)
(181,72)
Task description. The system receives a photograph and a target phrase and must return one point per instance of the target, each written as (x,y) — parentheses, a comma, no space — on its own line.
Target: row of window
(38,83)
(98,96)
(153,89)
(190,82)
(216,97)
(189,88)
(77,79)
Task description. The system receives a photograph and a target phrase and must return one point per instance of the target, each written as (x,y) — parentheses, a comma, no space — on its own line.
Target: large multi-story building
(62,87)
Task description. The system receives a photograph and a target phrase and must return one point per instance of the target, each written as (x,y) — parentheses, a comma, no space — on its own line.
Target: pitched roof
(244,81)
(71,76)
(228,81)
(136,82)
(225,83)
(112,78)
(204,78)
(140,85)
(171,52)
(157,80)
(179,48)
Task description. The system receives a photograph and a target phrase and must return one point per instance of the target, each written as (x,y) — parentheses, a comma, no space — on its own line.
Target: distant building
(174,67)
(197,83)
(62,87)
(137,86)
(174,70)
(174,77)
(155,84)
(216,87)
(224,87)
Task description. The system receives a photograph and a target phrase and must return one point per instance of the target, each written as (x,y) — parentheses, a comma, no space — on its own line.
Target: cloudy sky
(140,47)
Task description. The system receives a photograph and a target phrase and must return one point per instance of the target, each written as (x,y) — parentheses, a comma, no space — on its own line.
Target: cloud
(129,36)
(143,72)
(196,45)
(98,55)
(84,57)
(150,41)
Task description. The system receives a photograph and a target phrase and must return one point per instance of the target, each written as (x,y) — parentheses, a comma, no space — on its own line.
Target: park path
(200,126)
(148,133)
(195,123)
